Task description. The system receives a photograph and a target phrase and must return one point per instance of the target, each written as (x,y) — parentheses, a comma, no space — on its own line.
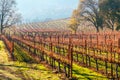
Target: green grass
(21,55)
(86,74)
(101,64)
(3,53)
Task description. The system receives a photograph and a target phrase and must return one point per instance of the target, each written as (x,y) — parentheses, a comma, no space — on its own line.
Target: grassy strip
(86,74)
(3,53)
(101,64)
(81,73)
(21,55)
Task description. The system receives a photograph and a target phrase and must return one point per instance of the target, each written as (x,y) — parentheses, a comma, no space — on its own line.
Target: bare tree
(91,13)
(8,14)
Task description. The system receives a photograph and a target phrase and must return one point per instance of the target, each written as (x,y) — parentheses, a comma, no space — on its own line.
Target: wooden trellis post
(106,66)
(70,55)
(71,59)
(117,65)
(119,50)
(86,51)
(34,43)
(97,41)
(111,50)
(12,52)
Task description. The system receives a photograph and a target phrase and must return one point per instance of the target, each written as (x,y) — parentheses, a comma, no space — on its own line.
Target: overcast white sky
(42,9)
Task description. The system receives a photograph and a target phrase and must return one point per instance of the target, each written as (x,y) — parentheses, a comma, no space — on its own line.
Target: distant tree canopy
(101,13)
(8,14)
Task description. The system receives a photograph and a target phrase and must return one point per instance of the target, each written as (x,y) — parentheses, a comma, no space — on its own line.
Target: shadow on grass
(87,76)
(4,78)
(34,68)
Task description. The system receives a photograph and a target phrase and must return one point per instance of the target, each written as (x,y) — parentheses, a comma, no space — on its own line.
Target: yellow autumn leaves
(73,22)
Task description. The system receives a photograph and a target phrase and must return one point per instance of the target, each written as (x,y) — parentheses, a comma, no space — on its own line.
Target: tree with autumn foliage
(74,21)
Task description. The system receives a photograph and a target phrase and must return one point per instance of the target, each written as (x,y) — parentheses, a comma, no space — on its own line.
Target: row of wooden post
(51,60)
(88,58)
